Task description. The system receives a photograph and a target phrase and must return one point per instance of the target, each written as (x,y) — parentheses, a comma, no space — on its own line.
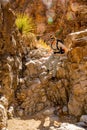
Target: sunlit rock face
(77,65)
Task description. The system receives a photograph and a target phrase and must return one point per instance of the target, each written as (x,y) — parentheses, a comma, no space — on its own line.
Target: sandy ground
(18,124)
(37,123)
(40,121)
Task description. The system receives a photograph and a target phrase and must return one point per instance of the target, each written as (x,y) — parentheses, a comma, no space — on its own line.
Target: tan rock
(40,106)
(3,117)
(60,73)
(75,55)
(31,67)
(79,89)
(75,107)
(47,122)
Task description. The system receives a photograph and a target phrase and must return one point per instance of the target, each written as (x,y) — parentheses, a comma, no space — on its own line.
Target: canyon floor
(18,124)
(39,122)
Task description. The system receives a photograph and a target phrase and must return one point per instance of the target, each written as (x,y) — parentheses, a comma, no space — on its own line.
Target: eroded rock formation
(10,59)
(77,72)
(39,89)
(25,80)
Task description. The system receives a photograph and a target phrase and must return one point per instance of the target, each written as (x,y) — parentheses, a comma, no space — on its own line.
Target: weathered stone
(44,99)
(40,106)
(31,67)
(79,89)
(75,107)
(46,122)
(62,91)
(85,52)
(65,126)
(3,117)
(22,94)
(81,124)
(4,101)
(10,112)
(49,111)
(43,68)
(20,112)
(75,55)
(44,80)
(83,118)
(36,84)
(61,73)
(65,110)
(42,75)
(77,39)
(52,128)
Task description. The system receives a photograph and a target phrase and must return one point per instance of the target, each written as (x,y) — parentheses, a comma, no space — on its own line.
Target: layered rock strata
(10,59)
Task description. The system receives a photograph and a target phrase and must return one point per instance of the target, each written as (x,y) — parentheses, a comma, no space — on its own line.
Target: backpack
(58,49)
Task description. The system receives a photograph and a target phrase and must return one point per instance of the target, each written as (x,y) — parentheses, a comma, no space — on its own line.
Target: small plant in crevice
(42,44)
(24,24)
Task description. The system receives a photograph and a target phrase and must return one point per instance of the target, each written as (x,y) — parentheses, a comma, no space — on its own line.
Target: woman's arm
(63,46)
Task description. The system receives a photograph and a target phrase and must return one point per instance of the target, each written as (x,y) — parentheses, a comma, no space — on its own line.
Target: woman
(58,50)
(57,45)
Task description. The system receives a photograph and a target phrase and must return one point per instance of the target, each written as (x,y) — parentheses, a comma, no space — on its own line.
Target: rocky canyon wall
(59,17)
(28,85)
(67,86)
(39,89)
(10,60)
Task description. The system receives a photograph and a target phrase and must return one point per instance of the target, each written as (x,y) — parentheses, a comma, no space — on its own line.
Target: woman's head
(52,39)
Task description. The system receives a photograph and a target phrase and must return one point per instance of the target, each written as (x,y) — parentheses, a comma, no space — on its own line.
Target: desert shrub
(42,44)
(24,24)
